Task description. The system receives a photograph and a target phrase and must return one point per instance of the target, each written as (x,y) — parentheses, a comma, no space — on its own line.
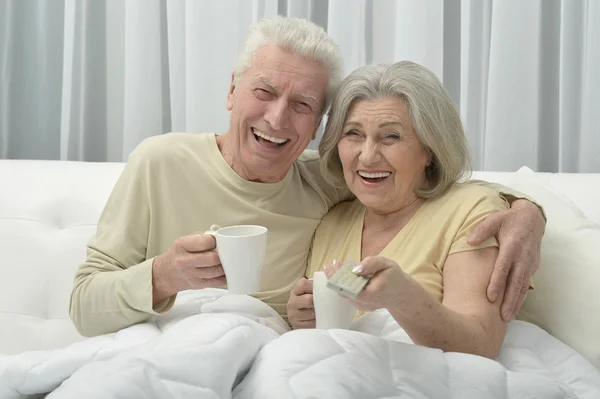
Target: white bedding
(197,350)
(212,345)
(380,361)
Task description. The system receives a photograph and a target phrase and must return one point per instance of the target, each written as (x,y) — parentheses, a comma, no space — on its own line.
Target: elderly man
(147,249)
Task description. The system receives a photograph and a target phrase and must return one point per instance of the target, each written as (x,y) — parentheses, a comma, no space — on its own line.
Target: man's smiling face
(276,109)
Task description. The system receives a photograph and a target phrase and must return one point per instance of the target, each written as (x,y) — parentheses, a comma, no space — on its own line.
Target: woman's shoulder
(343,211)
(468,196)
(468,189)
(336,233)
(340,218)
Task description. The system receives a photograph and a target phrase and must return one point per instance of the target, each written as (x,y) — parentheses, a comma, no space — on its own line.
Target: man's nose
(277,114)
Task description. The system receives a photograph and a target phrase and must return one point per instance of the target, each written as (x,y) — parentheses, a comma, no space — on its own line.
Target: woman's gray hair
(435,119)
(298,36)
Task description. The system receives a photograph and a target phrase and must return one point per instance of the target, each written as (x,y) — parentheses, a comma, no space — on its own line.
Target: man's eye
(303,107)
(262,93)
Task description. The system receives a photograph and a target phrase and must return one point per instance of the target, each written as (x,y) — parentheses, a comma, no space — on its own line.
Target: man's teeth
(269,138)
(374,175)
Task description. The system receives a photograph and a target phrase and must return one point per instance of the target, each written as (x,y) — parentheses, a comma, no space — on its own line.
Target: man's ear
(230,93)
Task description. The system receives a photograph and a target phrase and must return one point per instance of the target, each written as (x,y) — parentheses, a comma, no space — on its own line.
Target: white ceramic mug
(242,250)
(331,309)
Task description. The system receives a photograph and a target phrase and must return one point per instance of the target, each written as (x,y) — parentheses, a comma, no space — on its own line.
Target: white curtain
(89,79)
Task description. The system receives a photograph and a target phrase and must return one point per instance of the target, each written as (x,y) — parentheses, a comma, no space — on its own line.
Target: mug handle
(213,232)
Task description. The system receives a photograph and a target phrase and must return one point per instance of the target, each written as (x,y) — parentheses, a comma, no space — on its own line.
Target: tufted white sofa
(48,212)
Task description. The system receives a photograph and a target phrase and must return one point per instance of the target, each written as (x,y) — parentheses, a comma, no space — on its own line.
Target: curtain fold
(589,145)
(88,80)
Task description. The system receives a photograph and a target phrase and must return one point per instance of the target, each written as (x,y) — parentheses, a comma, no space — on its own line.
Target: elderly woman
(396,140)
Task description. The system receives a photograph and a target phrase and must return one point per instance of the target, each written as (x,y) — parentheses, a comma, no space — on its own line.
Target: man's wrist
(523,203)
(162,289)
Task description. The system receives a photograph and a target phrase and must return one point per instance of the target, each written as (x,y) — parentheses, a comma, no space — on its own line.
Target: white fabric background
(89,79)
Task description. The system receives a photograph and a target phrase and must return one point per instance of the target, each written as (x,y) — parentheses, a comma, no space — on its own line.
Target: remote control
(346,282)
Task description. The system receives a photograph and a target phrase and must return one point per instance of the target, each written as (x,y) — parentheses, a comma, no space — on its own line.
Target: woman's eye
(351,133)
(393,136)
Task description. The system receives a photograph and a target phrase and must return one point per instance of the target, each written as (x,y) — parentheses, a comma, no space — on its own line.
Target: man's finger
(499,277)
(217,282)
(486,229)
(513,291)
(303,286)
(196,243)
(305,301)
(197,260)
(520,301)
(299,325)
(304,315)
(209,272)
(206,259)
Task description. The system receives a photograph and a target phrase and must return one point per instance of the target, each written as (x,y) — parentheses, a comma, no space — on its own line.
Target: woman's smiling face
(382,158)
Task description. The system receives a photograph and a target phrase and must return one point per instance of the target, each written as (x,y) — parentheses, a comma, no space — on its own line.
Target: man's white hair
(298,36)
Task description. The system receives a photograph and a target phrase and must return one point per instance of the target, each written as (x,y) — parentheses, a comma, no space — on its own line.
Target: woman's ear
(429,158)
(430,167)
(230,93)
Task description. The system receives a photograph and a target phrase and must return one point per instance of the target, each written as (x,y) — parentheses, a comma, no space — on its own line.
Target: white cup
(242,251)
(331,309)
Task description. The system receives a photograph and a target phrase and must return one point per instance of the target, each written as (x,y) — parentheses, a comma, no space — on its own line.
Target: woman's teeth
(374,175)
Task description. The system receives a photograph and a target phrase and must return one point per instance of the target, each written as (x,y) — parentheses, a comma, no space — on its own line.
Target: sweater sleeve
(113,287)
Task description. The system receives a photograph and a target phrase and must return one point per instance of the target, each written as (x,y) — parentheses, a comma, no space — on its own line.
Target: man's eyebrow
(308,97)
(274,87)
(266,83)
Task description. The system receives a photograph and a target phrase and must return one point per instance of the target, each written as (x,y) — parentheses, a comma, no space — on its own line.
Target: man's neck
(228,153)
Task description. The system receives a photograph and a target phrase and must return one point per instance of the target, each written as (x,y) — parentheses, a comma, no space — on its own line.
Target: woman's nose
(369,153)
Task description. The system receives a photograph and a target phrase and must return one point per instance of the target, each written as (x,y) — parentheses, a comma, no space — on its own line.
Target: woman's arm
(465,321)
(519,231)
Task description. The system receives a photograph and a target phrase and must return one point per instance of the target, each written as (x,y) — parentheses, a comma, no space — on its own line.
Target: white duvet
(214,345)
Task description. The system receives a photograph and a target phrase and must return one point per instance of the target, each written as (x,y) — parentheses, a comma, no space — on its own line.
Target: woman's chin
(371,201)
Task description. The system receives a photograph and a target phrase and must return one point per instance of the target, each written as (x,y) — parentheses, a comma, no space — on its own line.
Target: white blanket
(213,345)
(198,350)
(378,360)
